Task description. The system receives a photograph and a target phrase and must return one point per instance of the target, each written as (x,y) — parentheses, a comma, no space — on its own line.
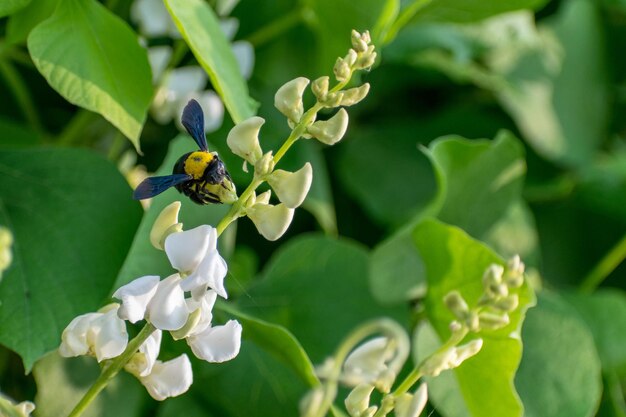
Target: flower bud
(455,326)
(508,303)
(292,187)
(515,272)
(264,198)
(6,240)
(456,304)
(412,405)
(491,321)
(320,88)
(358,401)
(264,166)
(342,70)
(165,224)
(493,275)
(352,96)
(271,221)
(358,43)
(288,98)
(243,139)
(472,321)
(367,59)
(351,57)
(332,130)
(466,351)
(333,100)
(385,380)
(10,409)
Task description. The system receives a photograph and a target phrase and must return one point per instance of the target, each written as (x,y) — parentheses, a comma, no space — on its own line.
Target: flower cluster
(6,256)
(164,305)
(291,188)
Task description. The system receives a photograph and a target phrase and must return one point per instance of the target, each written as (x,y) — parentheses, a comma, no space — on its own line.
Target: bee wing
(156,185)
(193,120)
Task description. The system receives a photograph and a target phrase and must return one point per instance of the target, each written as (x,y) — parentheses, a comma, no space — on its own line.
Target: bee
(200,175)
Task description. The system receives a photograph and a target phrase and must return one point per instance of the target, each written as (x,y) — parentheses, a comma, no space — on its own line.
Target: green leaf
(8,7)
(201,29)
(73,220)
(473,10)
(560,371)
(454,261)
(61,383)
(478,181)
(21,23)
(145,259)
(94,60)
(277,341)
(604,312)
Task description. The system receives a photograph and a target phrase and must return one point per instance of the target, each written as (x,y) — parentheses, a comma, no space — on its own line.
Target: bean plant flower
(181,303)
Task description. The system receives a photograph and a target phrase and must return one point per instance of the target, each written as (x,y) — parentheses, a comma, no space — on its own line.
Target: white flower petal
(74,337)
(367,362)
(244,53)
(271,221)
(288,98)
(412,405)
(108,335)
(165,224)
(185,80)
(185,250)
(167,309)
(205,305)
(211,272)
(135,297)
(292,187)
(151,16)
(243,139)
(217,344)
(142,361)
(169,379)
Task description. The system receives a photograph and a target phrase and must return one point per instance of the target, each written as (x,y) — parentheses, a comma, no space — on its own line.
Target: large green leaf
(473,10)
(201,29)
(73,219)
(454,261)
(8,7)
(94,60)
(143,258)
(560,371)
(478,181)
(61,383)
(21,23)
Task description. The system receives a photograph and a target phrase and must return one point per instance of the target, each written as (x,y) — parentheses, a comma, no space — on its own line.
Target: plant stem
(604,268)
(112,369)
(404,18)
(275,28)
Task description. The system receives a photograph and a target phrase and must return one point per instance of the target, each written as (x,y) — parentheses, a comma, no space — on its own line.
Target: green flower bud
(515,272)
(165,224)
(332,130)
(243,139)
(358,43)
(320,88)
(508,303)
(292,187)
(354,95)
(472,321)
(341,69)
(271,221)
(455,326)
(264,166)
(358,401)
(192,321)
(351,57)
(493,275)
(456,304)
(333,100)
(491,321)
(466,351)
(367,59)
(288,98)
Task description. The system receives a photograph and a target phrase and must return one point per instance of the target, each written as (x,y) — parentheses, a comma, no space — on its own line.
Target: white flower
(272,221)
(143,361)
(244,53)
(243,139)
(169,379)
(153,19)
(288,98)
(412,405)
(135,297)
(332,130)
(358,401)
(165,224)
(22,409)
(292,187)
(367,362)
(218,343)
(158,57)
(200,315)
(102,334)
(451,358)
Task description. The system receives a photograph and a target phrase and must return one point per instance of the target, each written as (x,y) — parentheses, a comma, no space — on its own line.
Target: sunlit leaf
(8,7)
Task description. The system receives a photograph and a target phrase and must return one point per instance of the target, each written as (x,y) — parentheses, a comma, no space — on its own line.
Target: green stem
(18,87)
(604,268)
(180,50)
(112,369)
(404,18)
(275,28)
(117,146)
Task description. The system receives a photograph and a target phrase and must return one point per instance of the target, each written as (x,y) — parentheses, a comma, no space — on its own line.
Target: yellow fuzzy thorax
(197,162)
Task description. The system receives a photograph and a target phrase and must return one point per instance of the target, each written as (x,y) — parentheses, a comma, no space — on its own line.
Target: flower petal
(217,344)
(243,139)
(135,297)
(142,362)
(244,54)
(167,309)
(367,362)
(74,337)
(108,335)
(271,221)
(185,250)
(211,272)
(292,187)
(169,379)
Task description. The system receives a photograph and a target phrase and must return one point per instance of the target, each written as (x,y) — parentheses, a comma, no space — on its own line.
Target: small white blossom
(412,405)
(292,187)
(358,401)
(153,19)
(102,334)
(165,224)
(288,98)
(217,343)
(368,362)
(243,139)
(135,297)
(451,358)
(169,379)
(22,409)
(143,361)
(272,221)
(332,130)
(167,310)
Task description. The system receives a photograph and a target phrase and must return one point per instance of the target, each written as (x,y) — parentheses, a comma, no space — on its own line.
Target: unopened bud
(332,130)
(358,401)
(320,88)
(358,43)
(192,321)
(341,70)
(493,275)
(412,405)
(271,221)
(264,166)
(367,59)
(385,380)
(491,321)
(508,303)
(455,326)
(333,100)
(472,321)
(515,272)
(243,139)
(165,224)
(456,304)
(467,350)
(351,57)
(288,98)
(264,198)
(499,290)
(352,96)
(292,187)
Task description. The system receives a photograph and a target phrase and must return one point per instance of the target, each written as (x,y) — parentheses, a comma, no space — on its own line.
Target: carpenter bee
(200,175)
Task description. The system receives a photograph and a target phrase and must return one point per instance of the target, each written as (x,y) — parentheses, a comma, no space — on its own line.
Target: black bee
(200,175)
